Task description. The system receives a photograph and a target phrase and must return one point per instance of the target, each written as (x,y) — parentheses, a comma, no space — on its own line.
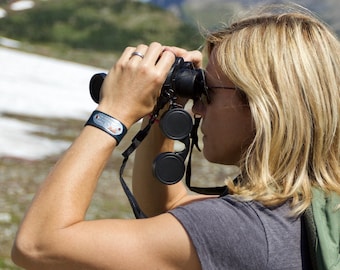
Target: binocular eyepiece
(183,80)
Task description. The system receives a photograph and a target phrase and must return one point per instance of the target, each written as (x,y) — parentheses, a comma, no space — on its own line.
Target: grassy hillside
(96,31)
(74,29)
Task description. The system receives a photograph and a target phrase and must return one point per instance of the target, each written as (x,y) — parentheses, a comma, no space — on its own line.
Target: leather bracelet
(107,123)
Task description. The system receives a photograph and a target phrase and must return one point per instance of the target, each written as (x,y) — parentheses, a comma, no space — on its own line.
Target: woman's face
(227,125)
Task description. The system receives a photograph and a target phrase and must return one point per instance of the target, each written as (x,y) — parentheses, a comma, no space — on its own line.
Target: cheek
(215,142)
(243,130)
(228,136)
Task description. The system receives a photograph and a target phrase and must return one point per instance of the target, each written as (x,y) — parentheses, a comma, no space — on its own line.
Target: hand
(131,88)
(192,56)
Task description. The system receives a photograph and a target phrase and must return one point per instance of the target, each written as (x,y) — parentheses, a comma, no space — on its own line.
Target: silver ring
(138,54)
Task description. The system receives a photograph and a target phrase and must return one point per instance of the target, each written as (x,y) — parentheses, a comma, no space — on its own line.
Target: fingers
(165,61)
(147,57)
(136,78)
(155,52)
(153,58)
(126,54)
(142,52)
(154,55)
(138,54)
(192,56)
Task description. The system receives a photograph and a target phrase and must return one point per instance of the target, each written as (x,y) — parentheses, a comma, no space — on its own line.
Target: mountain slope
(98,24)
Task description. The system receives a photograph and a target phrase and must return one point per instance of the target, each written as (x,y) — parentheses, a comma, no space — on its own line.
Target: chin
(211,157)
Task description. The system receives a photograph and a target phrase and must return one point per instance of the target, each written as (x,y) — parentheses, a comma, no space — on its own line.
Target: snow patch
(39,86)
(22,5)
(3,13)
(11,43)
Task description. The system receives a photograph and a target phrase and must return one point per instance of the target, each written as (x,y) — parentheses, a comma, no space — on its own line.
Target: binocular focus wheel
(169,168)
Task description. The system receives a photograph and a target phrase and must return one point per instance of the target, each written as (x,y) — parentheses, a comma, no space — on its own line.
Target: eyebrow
(208,75)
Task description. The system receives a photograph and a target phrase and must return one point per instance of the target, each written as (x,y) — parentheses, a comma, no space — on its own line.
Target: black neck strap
(202,190)
(135,143)
(140,136)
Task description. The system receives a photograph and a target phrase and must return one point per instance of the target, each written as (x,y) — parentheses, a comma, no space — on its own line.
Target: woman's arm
(153,196)
(54,234)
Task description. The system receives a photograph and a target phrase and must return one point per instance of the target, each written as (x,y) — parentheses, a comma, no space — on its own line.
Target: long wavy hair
(287,63)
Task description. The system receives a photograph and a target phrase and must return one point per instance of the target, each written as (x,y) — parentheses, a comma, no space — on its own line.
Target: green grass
(95,32)
(7,264)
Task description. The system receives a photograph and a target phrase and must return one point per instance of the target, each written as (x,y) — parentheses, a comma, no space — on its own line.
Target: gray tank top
(230,234)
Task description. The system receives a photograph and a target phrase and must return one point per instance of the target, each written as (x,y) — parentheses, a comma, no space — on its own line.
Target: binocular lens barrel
(183,79)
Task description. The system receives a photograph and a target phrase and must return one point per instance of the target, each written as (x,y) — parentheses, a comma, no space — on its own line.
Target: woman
(274,109)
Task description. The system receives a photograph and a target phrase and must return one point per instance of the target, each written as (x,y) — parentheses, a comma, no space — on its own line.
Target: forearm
(66,193)
(53,232)
(153,196)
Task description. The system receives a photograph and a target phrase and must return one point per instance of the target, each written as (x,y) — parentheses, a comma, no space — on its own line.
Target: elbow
(22,252)
(18,254)
(26,253)
(38,250)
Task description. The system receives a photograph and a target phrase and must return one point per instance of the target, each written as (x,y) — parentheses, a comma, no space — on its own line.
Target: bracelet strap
(107,123)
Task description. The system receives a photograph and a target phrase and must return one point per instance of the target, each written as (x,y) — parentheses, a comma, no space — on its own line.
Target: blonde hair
(288,65)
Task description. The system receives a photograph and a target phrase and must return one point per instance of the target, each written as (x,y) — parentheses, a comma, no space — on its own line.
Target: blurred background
(49,51)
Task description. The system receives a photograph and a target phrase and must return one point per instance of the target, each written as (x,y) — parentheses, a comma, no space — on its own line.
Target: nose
(198,107)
